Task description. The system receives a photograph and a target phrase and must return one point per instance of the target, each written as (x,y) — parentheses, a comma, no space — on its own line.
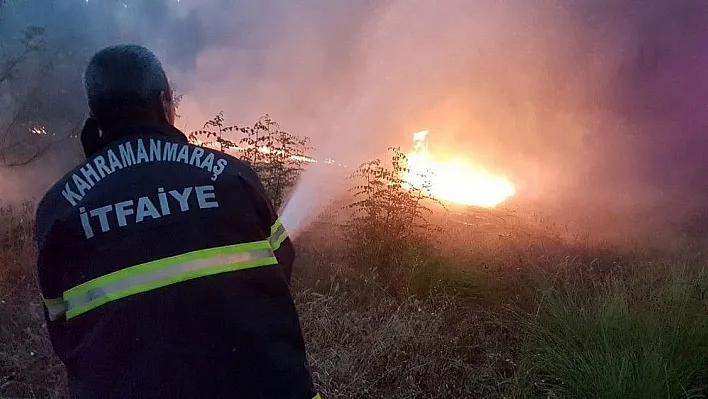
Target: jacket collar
(166,130)
(92,142)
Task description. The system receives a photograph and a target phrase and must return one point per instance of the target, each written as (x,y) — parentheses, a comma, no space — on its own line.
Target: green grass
(625,336)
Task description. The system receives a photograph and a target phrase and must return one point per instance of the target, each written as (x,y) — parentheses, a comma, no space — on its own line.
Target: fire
(454,180)
(38,130)
(262,149)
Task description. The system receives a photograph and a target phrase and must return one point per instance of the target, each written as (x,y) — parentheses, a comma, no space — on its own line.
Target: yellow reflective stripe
(318,396)
(55,307)
(165,277)
(160,273)
(277,234)
(162,263)
(275,226)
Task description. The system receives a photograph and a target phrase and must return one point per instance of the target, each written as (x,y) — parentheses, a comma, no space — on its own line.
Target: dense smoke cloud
(601,104)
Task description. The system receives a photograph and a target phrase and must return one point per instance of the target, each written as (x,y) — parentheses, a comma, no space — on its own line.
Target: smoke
(591,107)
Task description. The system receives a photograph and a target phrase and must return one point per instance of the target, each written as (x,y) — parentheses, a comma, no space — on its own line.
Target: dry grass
(499,318)
(28,367)
(365,343)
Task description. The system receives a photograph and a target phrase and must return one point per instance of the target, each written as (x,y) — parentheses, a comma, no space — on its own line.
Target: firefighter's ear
(91,136)
(168,106)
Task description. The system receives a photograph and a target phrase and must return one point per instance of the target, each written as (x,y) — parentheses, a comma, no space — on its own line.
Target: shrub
(276,155)
(388,231)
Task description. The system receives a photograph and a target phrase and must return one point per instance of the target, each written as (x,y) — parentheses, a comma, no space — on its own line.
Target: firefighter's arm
(49,266)
(277,235)
(283,247)
(49,278)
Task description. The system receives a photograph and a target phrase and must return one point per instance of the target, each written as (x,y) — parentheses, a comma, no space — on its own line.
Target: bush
(276,155)
(388,232)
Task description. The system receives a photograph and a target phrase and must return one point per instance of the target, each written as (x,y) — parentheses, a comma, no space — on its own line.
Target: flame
(262,149)
(39,131)
(454,180)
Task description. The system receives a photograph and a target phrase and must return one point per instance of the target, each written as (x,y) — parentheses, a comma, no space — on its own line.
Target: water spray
(318,186)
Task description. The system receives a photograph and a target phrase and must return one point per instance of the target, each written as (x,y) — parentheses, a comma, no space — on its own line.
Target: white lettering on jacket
(138,152)
(133,211)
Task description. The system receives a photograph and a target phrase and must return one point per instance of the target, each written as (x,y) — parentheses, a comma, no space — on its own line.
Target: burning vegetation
(454,179)
(38,130)
(398,294)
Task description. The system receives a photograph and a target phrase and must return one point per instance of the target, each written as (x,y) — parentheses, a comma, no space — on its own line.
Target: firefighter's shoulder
(234,164)
(51,207)
(238,167)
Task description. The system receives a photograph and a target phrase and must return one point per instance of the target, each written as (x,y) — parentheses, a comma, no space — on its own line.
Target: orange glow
(454,180)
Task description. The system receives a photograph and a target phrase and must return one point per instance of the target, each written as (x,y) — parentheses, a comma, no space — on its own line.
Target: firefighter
(163,267)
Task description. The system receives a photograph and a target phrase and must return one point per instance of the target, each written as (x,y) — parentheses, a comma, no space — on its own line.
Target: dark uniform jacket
(165,271)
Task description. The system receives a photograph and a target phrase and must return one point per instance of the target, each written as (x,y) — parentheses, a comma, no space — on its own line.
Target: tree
(32,120)
(277,156)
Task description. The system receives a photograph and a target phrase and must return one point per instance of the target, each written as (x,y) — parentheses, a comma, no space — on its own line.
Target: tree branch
(38,154)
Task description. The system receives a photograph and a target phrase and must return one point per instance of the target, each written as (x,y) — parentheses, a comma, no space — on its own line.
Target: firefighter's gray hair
(123,73)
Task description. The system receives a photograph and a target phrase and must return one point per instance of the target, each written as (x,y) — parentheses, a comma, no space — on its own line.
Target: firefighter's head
(126,85)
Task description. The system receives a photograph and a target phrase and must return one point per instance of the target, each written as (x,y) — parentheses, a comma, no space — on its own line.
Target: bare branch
(73,133)
(32,41)
(28,97)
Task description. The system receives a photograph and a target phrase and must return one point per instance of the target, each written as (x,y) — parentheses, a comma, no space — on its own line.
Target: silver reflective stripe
(55,308)
(167,275)
(277,235)
(278,225)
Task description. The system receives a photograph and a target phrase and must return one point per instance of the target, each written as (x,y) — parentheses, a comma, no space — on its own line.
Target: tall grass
(28,367)
(368,342)
(636,333)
